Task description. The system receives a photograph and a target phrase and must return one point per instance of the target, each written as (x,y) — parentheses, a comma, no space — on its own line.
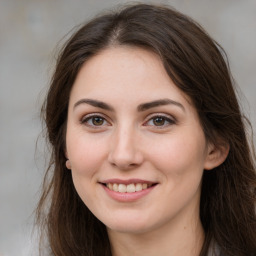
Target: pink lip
(126,182)
(127,197)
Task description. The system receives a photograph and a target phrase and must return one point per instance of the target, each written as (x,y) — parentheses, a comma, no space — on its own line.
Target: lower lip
(127,197)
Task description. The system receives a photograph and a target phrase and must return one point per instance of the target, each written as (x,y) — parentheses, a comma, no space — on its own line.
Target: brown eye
(159,121)
(97,121)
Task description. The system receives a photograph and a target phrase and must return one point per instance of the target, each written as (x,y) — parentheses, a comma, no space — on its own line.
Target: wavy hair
(198,66)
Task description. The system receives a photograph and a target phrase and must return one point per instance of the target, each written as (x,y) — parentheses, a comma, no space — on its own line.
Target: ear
(66,154)
(217,154)
(68,164)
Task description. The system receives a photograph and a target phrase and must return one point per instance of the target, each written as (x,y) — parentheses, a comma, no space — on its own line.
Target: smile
(129,188)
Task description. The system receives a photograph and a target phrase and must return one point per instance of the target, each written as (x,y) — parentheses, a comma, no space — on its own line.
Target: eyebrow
(157,103)
(140,108)
(94,103)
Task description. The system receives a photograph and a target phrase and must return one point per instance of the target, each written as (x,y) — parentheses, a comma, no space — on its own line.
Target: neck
(184,239)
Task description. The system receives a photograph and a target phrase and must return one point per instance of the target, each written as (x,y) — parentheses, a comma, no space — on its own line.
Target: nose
(124,150)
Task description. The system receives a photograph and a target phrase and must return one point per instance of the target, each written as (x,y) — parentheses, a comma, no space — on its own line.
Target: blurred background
(30,33)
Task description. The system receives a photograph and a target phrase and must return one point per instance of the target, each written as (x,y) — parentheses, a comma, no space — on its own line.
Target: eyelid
(86,117)
(172,120)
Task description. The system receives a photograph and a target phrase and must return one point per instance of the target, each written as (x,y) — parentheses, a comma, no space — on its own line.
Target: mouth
(126,191)
(132,187)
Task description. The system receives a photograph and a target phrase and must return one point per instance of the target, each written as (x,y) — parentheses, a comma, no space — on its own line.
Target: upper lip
(126,182)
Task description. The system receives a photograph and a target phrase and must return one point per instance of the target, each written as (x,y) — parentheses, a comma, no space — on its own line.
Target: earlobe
(216,155)
(68,164)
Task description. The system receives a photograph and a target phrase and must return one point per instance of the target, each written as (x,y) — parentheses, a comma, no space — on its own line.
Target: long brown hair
(198,67)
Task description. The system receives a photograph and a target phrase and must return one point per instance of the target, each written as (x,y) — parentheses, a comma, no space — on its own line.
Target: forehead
(127,72)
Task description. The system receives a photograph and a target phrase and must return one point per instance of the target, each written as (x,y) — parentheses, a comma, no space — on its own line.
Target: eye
(160,121)
(94,121)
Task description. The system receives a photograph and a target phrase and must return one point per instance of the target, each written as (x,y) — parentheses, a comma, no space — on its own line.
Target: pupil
(158,121)
(97,121)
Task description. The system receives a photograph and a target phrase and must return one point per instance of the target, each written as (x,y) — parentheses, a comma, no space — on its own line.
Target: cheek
(87,157)
(85,153)
(179,155)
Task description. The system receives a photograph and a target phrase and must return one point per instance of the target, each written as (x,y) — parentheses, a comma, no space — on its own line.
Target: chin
(129,229)
(133,224)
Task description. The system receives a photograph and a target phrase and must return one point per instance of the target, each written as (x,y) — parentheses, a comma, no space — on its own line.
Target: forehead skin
(93,72)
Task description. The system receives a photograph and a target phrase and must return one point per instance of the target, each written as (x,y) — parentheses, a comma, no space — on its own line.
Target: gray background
(29,33)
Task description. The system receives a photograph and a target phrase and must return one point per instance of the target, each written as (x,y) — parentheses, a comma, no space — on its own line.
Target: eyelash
(168,121)
(88,119)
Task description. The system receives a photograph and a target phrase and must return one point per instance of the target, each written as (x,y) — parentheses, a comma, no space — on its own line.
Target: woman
(149,149)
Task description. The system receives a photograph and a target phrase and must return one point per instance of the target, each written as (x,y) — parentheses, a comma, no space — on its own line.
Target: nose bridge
(124,151)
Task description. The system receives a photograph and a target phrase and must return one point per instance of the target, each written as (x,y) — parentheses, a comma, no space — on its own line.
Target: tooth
(121,188)
(144,186)
(130,188)
(115,187)
(138,187)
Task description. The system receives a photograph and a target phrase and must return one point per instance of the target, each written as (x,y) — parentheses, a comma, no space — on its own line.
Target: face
(134,142)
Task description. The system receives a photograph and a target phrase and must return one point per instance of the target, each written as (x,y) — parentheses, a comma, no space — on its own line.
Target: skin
(123,142)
